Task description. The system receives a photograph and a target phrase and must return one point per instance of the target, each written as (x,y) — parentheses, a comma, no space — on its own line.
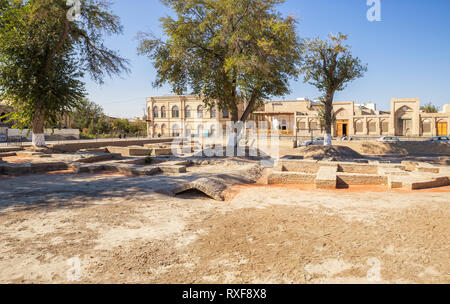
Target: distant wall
(73,147)
(49,134)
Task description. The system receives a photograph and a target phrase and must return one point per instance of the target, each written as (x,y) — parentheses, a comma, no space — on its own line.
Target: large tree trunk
(327,138)
(233,135)
(38,137)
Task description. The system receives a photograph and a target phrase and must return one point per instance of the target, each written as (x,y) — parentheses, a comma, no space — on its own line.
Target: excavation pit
(335,175)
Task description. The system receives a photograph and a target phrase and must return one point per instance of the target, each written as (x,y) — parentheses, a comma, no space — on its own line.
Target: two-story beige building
(186,115)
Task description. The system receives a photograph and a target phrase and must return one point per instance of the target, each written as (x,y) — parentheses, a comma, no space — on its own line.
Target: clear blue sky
(407,52)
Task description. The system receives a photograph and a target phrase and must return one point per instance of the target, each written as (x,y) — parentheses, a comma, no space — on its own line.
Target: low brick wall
(290,178)
(298,166)
(355,179)
(357,168)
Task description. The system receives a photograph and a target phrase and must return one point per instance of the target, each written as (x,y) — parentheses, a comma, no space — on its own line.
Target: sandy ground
(132,230)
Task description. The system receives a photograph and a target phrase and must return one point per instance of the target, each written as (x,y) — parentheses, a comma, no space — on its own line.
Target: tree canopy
(329,66)
(226,51)
(429,108)
(44,55)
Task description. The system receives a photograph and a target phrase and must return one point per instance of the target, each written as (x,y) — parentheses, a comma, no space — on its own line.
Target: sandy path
(128,229)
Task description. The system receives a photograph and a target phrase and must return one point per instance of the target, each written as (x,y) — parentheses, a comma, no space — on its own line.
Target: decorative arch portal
(403,121)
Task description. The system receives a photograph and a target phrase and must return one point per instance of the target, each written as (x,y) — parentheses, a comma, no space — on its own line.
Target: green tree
(91,128)
(429,108)
(230,52)
(85,112)
(44,55)
(329,66)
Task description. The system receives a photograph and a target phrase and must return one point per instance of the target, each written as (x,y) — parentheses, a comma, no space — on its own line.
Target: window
(175,131)
(213,130)
(302,125)
(199,112)
(163,130)
(155,112)
(175,112)
(163,112)
(359,126)
(213,112)
(385,127)
(225,114)
(372,127)
(426,125)
(187,111)
(313,125)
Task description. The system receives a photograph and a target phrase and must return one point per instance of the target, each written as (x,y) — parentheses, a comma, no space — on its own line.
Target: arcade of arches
(187,115)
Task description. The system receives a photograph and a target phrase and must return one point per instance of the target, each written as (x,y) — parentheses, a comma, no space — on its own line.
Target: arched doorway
(442,128)
(403,120)
(341,123)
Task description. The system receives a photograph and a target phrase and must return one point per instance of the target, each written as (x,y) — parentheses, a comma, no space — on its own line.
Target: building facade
(186,115)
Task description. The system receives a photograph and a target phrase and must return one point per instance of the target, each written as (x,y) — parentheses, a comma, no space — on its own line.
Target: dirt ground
(132,230)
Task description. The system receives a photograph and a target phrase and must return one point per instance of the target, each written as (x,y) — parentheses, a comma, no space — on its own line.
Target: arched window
(359,126)
(372,126)
(187,111)
(175,130)
(175,112)
(163,129)
(426,126)
(301,125)
(213,130)
(163,112)
(213,112)
(384,127)
(199,112)
(199,130)
(155,112)
(225,114)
